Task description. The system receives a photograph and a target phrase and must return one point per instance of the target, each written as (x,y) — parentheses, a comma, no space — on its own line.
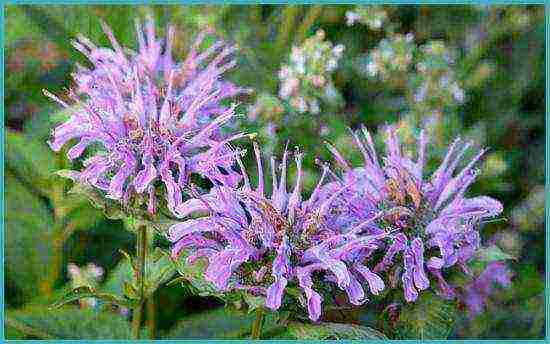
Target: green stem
(141,251)
(151,321)
(258,324)
(136,320)
(289,15)
(27,330)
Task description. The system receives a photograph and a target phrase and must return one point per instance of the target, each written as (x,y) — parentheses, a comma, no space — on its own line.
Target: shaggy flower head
(264,244)
(152,121)
(431,225)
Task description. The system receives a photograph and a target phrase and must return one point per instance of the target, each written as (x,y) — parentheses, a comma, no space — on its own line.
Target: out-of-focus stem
(136,320)
(258,324)
(141,252)
(289,15)
(313,13)
(151,318)
(56,262)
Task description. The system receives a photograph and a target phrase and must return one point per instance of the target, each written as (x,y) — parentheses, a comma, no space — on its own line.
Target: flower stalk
(151,320)
(258,324)
(141,251)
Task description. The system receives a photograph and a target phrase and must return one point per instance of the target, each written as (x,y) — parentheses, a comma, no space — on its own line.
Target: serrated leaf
(218,324)
(159,269)
(129,259)
(322,331)
(86,292)
(67,323)
(115,281)
(429,317)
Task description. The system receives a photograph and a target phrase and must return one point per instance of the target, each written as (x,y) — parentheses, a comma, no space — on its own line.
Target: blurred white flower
(352,18)
(304,80)
(372,16)
(89,276)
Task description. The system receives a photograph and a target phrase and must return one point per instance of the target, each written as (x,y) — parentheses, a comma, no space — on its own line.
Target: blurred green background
(472,71)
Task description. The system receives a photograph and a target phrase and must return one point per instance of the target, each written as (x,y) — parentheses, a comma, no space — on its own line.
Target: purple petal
(79,148)
(398,245)
(223,264)
(281,269)
(275,293)
(313,298)
(376,284)
(117,182)
(410,292)
(420,279)
(182,229)
(173,195)
(152,201)
(355,292)
(337,267)
(145,176)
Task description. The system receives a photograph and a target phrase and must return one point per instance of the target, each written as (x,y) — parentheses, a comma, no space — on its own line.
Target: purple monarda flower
(430,223)
(152,120)
(263,243)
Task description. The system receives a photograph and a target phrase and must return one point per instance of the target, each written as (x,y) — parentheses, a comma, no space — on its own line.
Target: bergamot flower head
(152,120)
(431,225)
(266,244)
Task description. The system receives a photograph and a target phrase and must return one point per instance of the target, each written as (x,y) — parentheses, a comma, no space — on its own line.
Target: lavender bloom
(154,120)
(477,292)
(254,241)
(431,225)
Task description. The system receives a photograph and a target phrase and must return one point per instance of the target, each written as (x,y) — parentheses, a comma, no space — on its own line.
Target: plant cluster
(316,192)
(146,125)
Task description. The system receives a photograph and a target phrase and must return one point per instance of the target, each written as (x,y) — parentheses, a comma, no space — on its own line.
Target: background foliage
(497,61)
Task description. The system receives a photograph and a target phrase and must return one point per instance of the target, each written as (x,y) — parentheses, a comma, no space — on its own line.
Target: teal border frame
(546,3)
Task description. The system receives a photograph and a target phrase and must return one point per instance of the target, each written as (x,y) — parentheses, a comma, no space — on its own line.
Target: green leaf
(322,331)
(110,208)
(429,317)
(86,292)
(121,274)
(491,254)
(82,217)
(486,255)
(159,269)
(32,162)
(218,324)
(29,248)
(66,323)
(194,274)
(253,302)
